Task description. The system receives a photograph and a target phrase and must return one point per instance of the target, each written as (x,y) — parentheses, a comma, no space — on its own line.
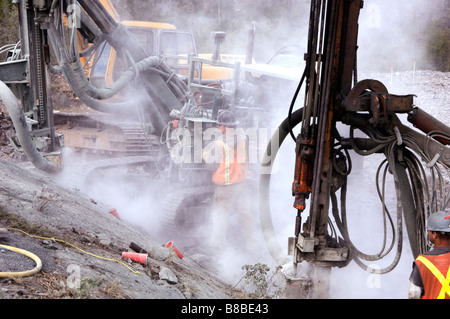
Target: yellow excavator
(135,103)
(158,39)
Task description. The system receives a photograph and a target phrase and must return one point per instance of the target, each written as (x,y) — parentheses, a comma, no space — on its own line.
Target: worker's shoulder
(438,251)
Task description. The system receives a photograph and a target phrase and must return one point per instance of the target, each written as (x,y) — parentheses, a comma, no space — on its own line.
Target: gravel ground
(432,89)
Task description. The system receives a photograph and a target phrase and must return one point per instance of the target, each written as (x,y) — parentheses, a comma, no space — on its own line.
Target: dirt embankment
(80,244)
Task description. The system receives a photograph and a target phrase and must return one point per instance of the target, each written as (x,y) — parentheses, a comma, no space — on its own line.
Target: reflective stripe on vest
(445,281)
(232,168)
(227,164)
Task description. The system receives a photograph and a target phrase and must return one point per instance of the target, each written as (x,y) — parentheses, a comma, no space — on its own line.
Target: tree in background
(278,23)
(9,23)
(438,45)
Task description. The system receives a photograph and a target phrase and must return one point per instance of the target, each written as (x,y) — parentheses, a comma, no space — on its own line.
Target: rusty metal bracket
(372,96)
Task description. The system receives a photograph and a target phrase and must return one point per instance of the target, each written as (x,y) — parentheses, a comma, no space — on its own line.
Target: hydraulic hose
(22,131)
(79,85)
(110,91)
(264,197)
(80,77)
(264,183)
(31,272)
(408,207)
(92,96)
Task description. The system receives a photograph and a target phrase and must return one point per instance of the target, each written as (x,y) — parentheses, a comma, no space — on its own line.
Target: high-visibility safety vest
(435,272)
(233,166)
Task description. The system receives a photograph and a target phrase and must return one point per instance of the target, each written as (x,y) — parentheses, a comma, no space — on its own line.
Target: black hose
(291,107)
(408,207)
(264,201)
(80,87)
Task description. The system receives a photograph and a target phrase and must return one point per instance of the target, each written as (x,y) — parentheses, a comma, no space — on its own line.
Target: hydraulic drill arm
(332,95)
(75,29)
(330,64)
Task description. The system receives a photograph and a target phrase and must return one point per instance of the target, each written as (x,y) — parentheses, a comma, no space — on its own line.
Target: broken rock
(167,275)
(159,253)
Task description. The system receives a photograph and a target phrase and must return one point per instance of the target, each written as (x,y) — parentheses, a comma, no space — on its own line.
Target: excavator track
(104,134)
(184,210)
(81,172)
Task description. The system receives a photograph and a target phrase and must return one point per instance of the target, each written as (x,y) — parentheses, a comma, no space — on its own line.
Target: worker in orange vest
(430,278)
(231,204)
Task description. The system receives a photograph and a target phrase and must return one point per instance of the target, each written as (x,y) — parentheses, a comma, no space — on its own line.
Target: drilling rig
(149,101)
(333,94)
(155,98)
(55,30)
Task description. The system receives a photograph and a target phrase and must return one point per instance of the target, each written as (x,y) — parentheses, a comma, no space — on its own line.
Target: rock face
(80,240)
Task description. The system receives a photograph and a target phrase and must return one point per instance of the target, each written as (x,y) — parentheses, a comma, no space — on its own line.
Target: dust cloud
(390,39)
(393,34)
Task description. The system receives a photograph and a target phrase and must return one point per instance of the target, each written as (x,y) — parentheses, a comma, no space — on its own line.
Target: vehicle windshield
(171,42)
(176,43)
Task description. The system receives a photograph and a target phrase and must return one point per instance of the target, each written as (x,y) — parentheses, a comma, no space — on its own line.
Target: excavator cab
(157,39)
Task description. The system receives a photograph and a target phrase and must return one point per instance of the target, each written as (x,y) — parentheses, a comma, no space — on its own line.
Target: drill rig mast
(332,95)
(74,30)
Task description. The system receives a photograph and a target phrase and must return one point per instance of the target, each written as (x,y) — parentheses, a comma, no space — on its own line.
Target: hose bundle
(416,196)
(419,192)
(142,69)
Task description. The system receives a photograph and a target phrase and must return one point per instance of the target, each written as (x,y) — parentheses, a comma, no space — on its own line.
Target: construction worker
(227,155)
(430,278)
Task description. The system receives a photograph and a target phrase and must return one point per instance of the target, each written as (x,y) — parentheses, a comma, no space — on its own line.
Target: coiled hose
(31,272)
(405,199)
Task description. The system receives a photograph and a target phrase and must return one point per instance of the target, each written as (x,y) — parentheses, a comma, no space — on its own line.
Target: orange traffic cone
(113,212)
(140,258)
(175,250)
